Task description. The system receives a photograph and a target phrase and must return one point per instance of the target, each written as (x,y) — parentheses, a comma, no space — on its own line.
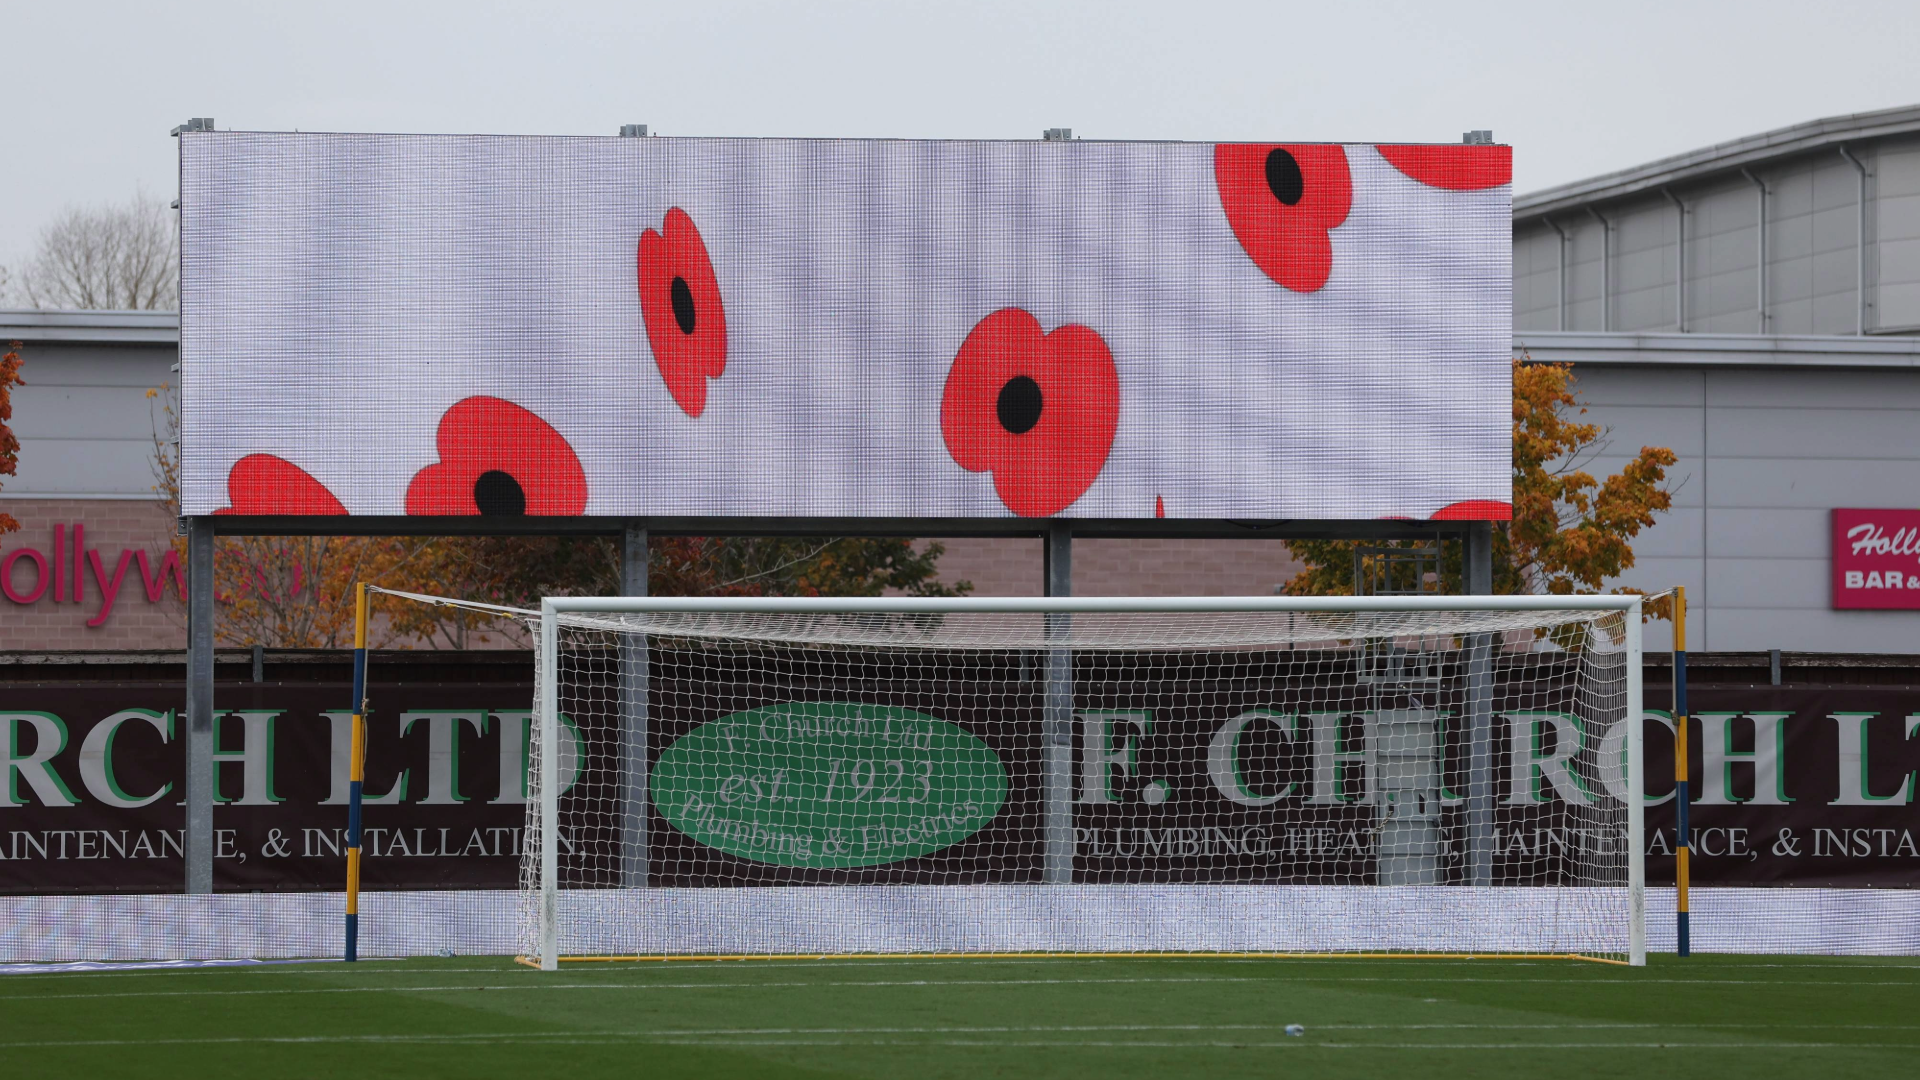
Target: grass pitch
(1167,1019)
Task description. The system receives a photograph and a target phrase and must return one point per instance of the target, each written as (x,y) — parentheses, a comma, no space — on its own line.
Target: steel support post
(634,850)
(1477,575)
(197,845)
(547,714)
(1057,725)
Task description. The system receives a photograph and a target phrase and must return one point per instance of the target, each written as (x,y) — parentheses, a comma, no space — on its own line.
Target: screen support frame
(1056,535)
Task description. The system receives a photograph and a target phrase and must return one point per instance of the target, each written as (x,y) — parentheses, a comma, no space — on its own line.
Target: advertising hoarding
(1876,560)
(1796,786)
(459,325)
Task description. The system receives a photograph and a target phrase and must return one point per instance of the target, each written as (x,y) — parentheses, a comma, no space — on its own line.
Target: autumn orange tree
(1570,531)
(9,443)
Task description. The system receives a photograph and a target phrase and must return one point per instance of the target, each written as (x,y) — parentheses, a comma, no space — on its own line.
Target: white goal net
(754,777)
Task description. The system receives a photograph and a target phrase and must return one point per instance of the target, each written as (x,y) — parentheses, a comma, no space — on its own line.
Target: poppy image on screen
(449,326)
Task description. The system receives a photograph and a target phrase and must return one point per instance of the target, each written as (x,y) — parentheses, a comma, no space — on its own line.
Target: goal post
(1239,775)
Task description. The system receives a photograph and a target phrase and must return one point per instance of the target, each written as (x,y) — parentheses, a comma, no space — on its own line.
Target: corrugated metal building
(1753,306)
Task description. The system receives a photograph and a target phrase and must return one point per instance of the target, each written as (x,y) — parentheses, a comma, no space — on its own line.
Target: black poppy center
(497,494)
(1019,405)
(682,305)
(1283,178)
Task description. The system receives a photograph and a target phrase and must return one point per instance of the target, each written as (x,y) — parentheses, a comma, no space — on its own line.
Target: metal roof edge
(1720,350)
(1718,158)
(91,327)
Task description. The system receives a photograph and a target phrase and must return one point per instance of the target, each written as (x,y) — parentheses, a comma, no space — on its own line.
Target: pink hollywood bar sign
(1876,559)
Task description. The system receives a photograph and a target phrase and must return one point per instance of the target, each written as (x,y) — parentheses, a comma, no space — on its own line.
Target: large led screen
(655,327)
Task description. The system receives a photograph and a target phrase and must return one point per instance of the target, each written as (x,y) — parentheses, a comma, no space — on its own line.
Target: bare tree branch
(106,258)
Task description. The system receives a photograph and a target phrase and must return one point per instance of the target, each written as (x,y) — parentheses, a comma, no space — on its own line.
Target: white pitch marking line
(534,986)
(746,1039)
(388,966)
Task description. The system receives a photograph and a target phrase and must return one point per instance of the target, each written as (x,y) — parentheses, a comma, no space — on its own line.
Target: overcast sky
(91,89)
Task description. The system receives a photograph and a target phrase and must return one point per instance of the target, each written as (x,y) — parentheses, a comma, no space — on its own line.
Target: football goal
(1403,775)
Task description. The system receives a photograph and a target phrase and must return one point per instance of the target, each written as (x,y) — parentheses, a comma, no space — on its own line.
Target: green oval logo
(829,784)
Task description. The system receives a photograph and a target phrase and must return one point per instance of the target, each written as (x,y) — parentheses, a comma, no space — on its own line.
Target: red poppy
(498,459)
(1455,168)
(1037,410)
(1475,510)
(680,301)
(1282,201)
(261,484)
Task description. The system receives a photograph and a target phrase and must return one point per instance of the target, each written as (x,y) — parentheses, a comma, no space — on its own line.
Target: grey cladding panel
(1835,314)
(1896,169)
(1675,534)
(1768,583)
(1536,249)
(1836,184)
(1644,266)
(1630,427)
(67,412)
(1644,309)
(1660,386)
(1655,574)
(1824,630)
(1536,279)
(1835,274)
(1790,190)
(1646,226)
(1725,304)
(1842,389)
(1815,483)
(1896,218)
(1725,207)
(1769,534)
(1528,317)
(1726,253)
(1790,316)
(1584,314)
(1648,269)
(50,364)
(1899,306)
(1585,284)
(1837,230)
(1896,226)
(84,467)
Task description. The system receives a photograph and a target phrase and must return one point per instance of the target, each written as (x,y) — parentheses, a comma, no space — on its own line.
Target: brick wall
(110,527)
(1000,566)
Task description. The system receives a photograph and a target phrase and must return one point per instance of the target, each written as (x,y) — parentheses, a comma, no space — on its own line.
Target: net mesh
(965,782)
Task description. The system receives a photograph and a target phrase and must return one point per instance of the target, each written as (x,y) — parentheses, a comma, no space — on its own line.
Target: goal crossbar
(821,605)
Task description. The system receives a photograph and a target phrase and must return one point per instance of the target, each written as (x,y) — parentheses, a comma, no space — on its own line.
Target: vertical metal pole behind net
(634,852)
(198,843)
(1635,719)
(546,688)
(1057,725)
(1682,795)
(1477,570)
(356,768)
